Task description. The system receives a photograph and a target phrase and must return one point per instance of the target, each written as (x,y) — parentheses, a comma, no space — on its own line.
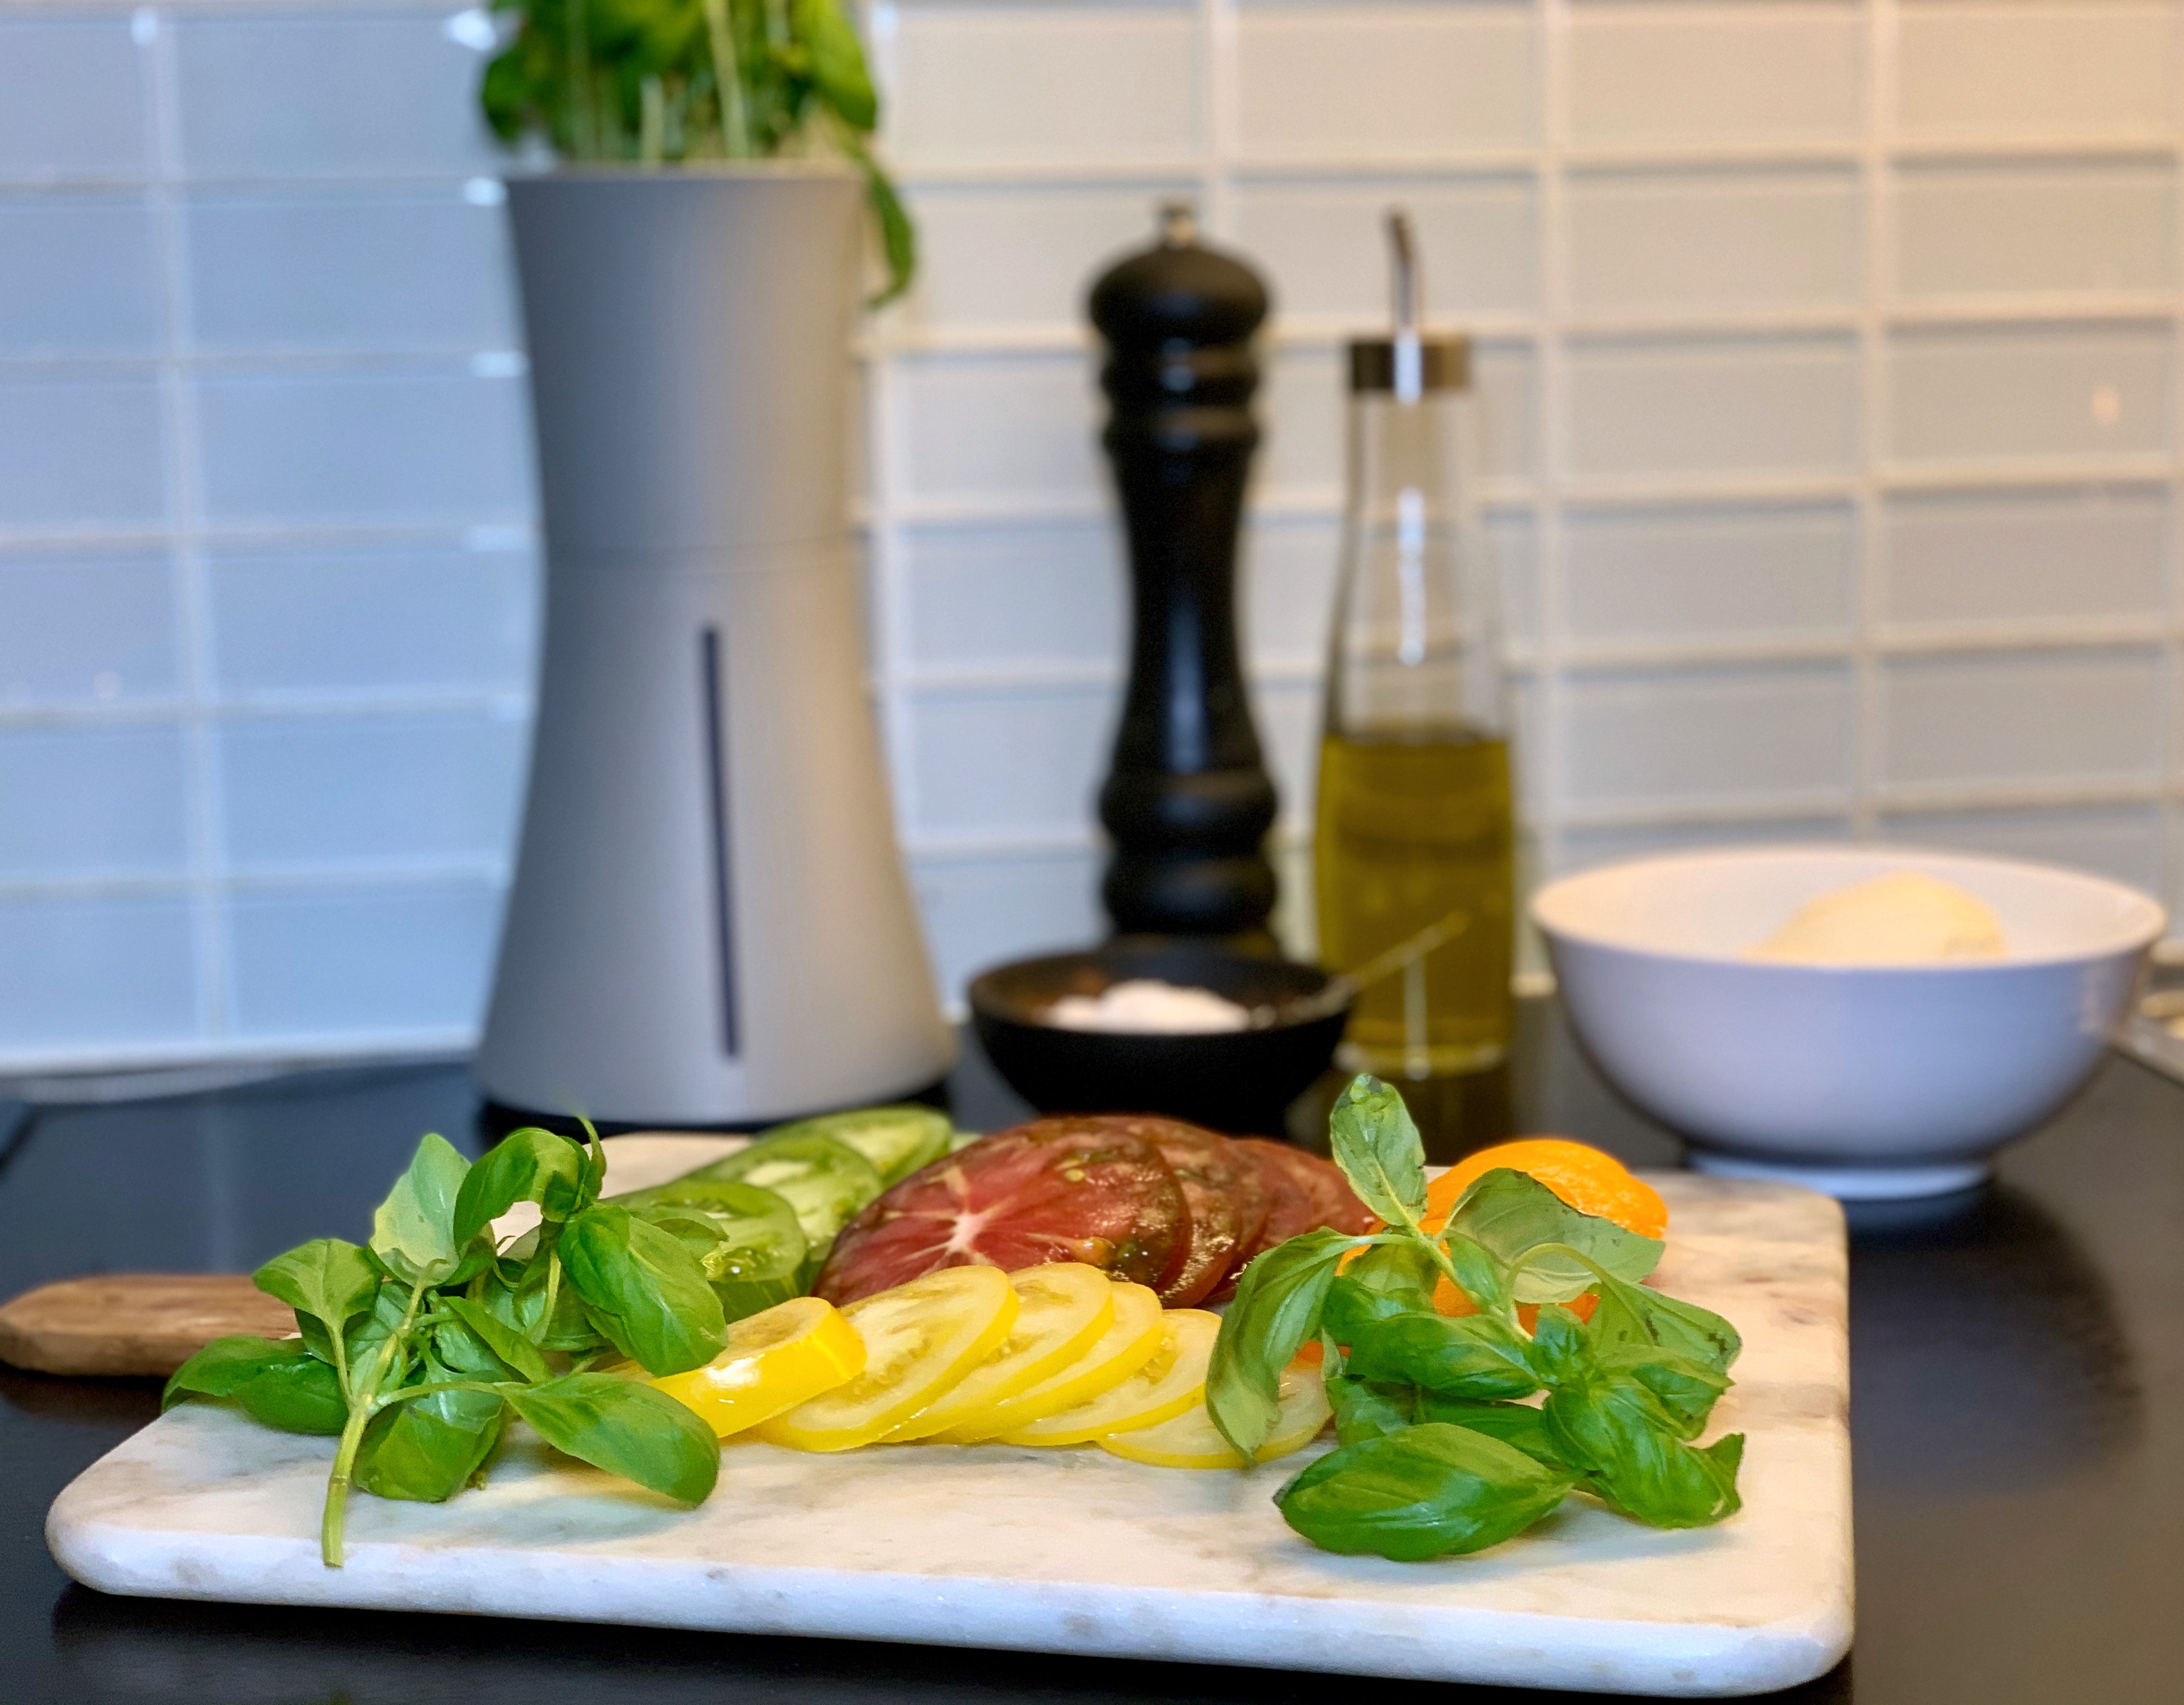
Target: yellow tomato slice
(775,1360)
(919,1338)
(1132,1338)
(1060,1310)
(1168,1385)
(1191,1440)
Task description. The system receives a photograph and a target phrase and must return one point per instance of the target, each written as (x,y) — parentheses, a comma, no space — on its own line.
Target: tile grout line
(1868,708)
(153,31)
(1553,449)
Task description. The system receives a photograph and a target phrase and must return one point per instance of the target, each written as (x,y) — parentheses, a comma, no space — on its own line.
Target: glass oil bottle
(1415,836)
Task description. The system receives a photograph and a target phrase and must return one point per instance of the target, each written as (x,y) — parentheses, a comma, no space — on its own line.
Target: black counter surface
(2018,1380)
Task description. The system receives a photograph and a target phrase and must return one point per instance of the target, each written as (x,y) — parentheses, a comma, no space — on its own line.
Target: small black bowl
(1230,1080)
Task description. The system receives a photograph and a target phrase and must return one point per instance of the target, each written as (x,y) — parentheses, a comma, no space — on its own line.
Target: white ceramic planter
(710,923)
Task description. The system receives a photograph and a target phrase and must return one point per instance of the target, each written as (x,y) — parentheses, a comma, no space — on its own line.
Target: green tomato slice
(897,1140)
(761,1237)
(825,1182)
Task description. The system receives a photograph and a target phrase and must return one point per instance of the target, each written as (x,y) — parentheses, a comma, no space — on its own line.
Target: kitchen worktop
(2018,1406)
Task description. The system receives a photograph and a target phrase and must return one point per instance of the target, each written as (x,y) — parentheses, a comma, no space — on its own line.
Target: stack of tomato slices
(1149,1201)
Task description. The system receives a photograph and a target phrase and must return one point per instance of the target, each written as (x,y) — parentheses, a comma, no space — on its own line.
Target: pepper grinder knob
(1188,800)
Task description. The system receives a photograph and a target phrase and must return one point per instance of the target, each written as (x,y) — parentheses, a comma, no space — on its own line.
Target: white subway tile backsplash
(1968,231)
(363,959)
(2119,841)
(1650,575)
(992,257)
(2035,70)
(347,270)
(1040,593)
(81,454)
(1584,848)
(1005,87)
(335,791)
(91,802)
(1012,429)
(1008,761)
(1381,81)
(1324,243)
(111,974)
(983,912)
(1773,406)
(349,95)
(2041,717)
(362,449)
(1969,395)
(1709,240)
(1714,76)
(388,619)
(1780,737)
(78,275)
(2015,558)
(86,630)
(75,106)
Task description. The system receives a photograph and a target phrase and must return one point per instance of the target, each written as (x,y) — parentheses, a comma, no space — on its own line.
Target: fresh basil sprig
(415,1349)
(1439,1454)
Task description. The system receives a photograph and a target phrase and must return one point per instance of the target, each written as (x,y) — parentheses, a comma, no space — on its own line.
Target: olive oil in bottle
(1415,831)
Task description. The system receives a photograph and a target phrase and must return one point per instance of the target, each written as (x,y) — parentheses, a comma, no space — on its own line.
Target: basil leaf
(1478,1275)
(1363,1410)
(643,1290)
(508,1346)
(527,1165)
(1401,1271)
(1353,1305)
(1618,1431)
(1560,1348)
(1512,1213)
(300,1394)
(223,1367)
(1687,1390)
(838,61)
(279,1383)
(1473,1355)
(627,1428)
(425,1449)
(1633,1315)
(367,1338)
(1518,1425)
(1275,1310)
(413,1233)
(1425,1492)
(327,1280)
(1378,1147)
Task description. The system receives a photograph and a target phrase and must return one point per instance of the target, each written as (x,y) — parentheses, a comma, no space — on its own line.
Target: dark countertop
(2018,1368)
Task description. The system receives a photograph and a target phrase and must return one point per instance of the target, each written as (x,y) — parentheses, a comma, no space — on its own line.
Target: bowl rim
(2153,918)
(978,997)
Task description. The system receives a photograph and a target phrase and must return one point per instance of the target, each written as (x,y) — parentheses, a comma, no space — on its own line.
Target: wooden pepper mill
(1187,799)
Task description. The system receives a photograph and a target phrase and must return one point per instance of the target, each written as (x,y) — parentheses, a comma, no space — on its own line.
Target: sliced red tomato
(1088,1189)
(1227,1197)
(1305,1193)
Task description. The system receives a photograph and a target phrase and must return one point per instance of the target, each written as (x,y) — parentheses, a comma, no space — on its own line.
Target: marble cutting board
(1074,1550)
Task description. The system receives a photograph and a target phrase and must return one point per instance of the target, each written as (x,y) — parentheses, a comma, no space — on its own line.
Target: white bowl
(1862,1081)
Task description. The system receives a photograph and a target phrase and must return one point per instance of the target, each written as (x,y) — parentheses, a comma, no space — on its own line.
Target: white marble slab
(1076,1551)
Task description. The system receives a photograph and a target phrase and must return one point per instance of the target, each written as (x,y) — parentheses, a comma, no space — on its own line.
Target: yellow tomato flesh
(774,1361)
(1061,1309)
(1170,1382)
(1131,1340)
(1191,1440)
(919,1339)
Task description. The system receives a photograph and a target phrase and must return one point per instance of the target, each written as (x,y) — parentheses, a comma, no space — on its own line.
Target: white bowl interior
(1719,904)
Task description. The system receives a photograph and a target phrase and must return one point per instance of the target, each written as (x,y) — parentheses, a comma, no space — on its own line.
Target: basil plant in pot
(709,923)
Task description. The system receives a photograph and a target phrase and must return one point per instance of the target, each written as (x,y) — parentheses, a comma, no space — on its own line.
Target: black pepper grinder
(1188,800)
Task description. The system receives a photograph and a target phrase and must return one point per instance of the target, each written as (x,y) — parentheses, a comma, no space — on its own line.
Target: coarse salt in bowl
(1865,1081)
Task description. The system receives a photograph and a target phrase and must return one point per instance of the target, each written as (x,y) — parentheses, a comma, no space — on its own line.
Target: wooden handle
(140,1323)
